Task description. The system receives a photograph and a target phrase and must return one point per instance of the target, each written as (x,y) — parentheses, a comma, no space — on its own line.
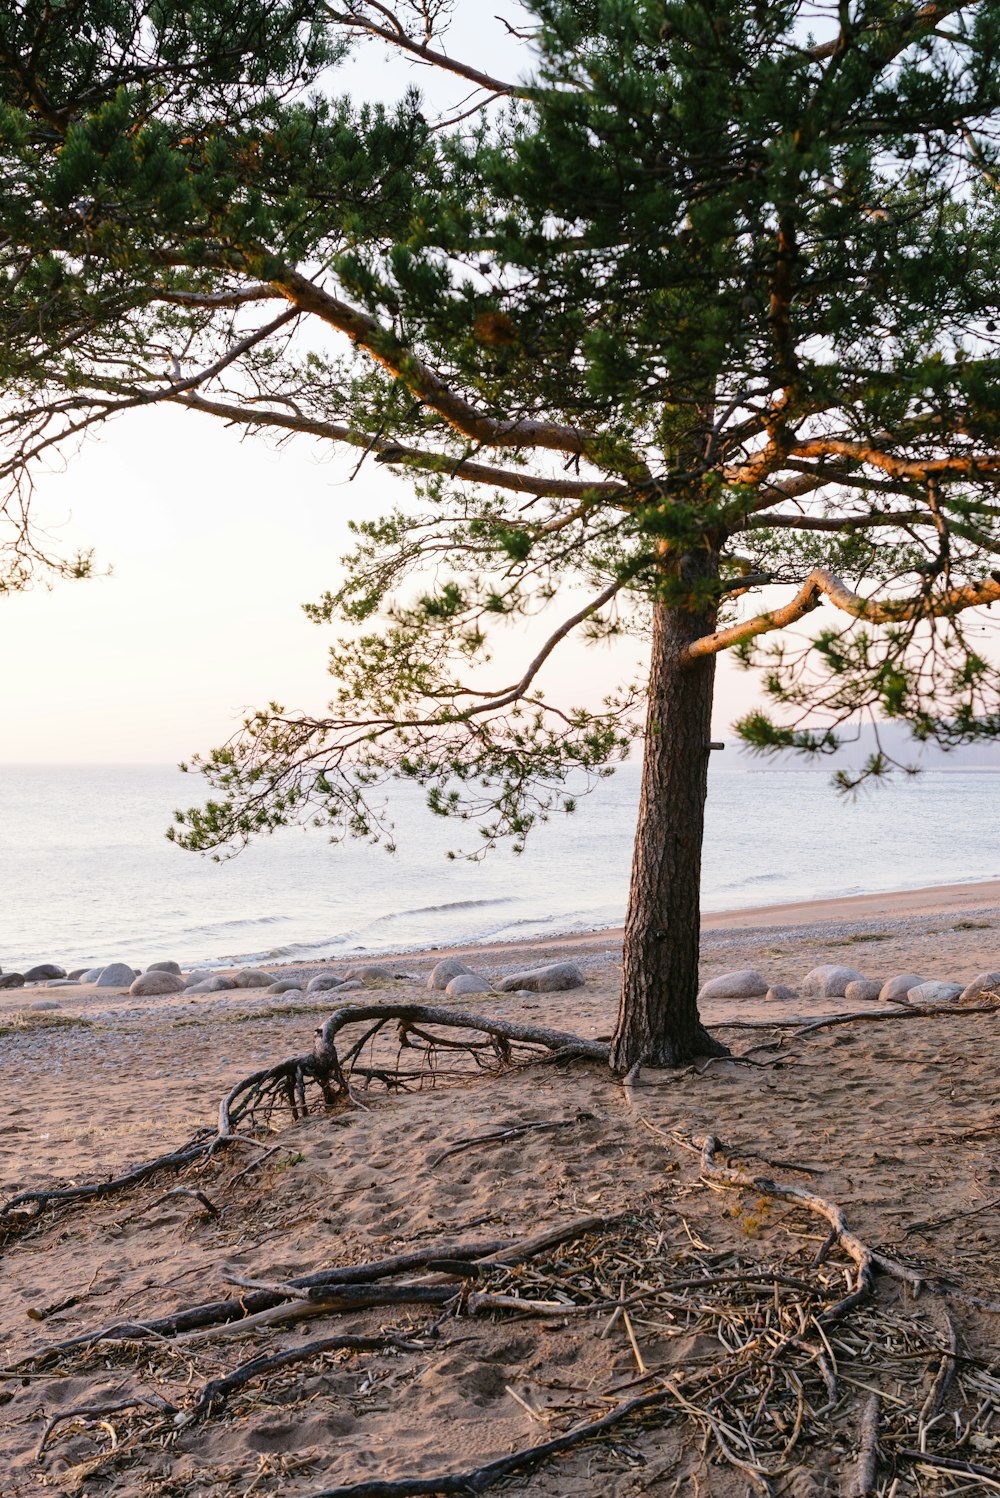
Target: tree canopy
(703,301)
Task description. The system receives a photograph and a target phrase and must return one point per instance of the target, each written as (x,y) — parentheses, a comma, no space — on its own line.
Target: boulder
(830,980)
(116,975)
(156,981)
(62,983)
(780,993)
(164,967)
(201,975)
(446,969)
(467,983)
(43,971)
(286,985)
(91,974)
(12,980)
(218,983)
(323,982)
(43,1005)
(935,993)
(551,978)
(895,991)
(76,976)
(744,984)
(252,977)
(370,972)
(863,990)
(286,993)
(983,984)
(349,985)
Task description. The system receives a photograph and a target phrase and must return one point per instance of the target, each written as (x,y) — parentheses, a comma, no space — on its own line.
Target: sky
(206,547)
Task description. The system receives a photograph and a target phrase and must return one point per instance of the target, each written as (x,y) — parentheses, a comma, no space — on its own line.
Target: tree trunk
(658,1020)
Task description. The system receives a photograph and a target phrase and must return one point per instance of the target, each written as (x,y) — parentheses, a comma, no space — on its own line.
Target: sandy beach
(894,1121)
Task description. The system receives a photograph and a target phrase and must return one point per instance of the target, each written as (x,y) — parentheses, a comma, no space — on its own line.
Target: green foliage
(704,301)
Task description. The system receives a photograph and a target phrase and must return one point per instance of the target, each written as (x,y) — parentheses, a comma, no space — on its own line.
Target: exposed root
(865,1258)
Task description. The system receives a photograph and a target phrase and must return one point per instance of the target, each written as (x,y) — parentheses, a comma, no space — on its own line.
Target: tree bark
(658,1023)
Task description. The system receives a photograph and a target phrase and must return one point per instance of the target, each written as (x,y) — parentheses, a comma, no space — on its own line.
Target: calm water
(87,876)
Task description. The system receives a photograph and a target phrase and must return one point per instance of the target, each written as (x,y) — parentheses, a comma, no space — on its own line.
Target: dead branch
(500,1136)
(343,1287)
(478,1479)
(216,1391)
(863,1485)
(97,1411)
(801,1025)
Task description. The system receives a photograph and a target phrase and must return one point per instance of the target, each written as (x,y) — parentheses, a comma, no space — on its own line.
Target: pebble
(829,981)
(552,978)
(743,984)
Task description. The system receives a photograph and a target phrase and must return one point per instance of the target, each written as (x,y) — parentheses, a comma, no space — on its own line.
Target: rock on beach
(552,978)
(44,970)
(981,985)
(935,993)
(446,969)
(116,975)
(830,980)
(169,966)
(465,983)
(742,984)
(11,980)
(863,990)
(252,977)
(895,991)
(156,981)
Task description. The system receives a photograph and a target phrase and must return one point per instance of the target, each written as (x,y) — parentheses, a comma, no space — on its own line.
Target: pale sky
(215,544)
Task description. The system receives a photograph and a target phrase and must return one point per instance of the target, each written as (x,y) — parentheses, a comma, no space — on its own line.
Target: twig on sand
(863,1484)
(500,1136)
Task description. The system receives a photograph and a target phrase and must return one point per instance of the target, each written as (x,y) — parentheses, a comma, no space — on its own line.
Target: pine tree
(704,303)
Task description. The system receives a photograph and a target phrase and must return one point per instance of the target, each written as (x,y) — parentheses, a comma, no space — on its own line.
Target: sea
(87,875)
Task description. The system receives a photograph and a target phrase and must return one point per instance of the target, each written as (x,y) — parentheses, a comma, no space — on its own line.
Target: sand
(896,1121)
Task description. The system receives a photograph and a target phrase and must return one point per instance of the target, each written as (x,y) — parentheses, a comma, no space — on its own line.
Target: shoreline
(978,897)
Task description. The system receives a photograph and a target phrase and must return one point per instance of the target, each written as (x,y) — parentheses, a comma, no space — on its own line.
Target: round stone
(743,984)
(830,980)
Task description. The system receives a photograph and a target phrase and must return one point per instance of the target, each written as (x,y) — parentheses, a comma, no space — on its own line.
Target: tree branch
(425,383)
(395,36)
(822,583)
(391,452)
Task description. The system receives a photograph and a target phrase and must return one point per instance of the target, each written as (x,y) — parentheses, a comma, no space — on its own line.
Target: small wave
(401,915)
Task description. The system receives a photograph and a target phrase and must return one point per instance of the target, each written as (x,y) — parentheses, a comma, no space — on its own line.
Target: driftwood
(863,1484)
(342,1287)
